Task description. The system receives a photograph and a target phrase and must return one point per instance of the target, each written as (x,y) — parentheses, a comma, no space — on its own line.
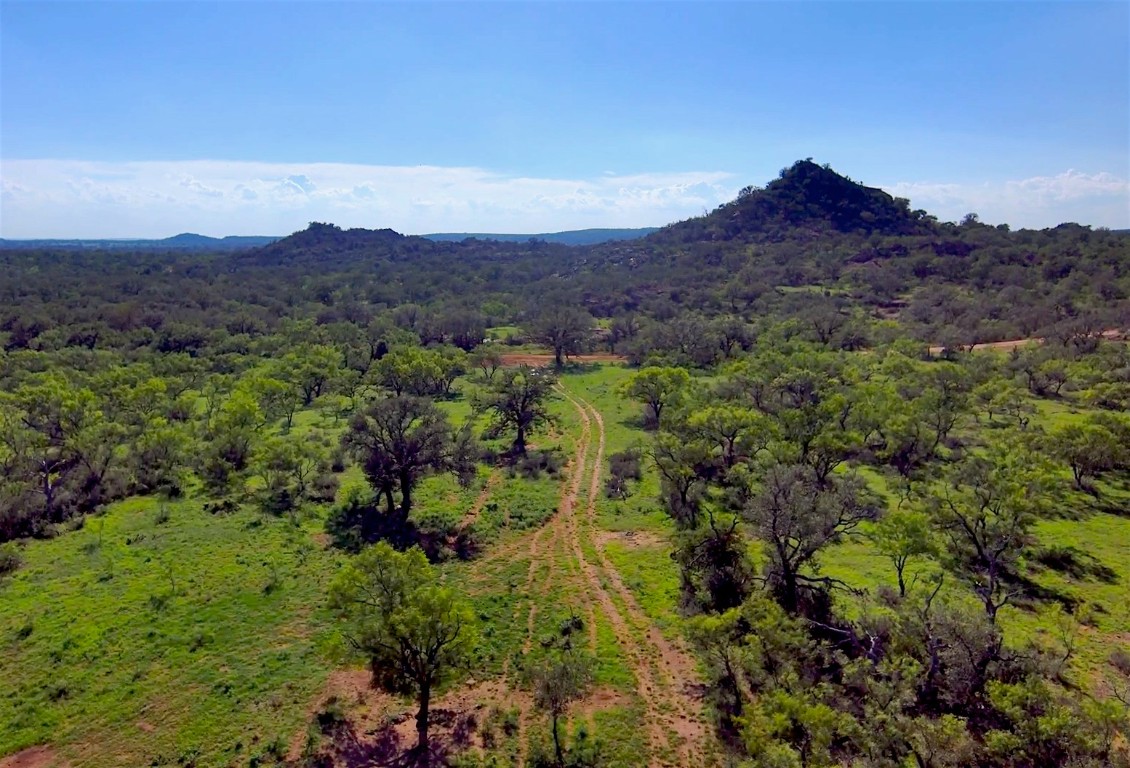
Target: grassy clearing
(1092,533)
(136,642)
(203,638)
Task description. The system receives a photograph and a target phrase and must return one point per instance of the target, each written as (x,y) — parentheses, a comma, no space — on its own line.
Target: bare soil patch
(34,757)
(541,360)
(1111,334)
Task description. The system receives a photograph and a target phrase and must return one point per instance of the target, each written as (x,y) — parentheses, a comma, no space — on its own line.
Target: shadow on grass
(1033,593)
(1115,507)
(386,747)
(1075,563)
(352,528)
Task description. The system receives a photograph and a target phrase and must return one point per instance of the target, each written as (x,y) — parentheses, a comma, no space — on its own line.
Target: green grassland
(136,641)
(160,633)
(164,634)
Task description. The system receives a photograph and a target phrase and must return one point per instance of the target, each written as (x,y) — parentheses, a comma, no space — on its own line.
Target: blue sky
(145,119)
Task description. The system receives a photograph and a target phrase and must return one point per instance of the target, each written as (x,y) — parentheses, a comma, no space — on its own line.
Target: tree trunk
(520,442)
(791,597)
(422,721)
(405,496)
(557,743)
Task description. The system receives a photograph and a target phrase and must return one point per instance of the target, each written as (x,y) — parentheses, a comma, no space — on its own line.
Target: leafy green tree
(417,371)
(738,434)
(1089,448)
(310,367)
(49,427)
(986,508)
(230,436)
(518,400)
(277,395)
(161,457)
(562,327)
(683,466)
(901,536)
(286,467)
(488,359)
(559,676)
(398,440)
(797,516)
(415,632)
(657,388)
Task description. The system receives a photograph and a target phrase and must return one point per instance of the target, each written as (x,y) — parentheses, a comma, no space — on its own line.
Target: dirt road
(539,360)
(1112,334)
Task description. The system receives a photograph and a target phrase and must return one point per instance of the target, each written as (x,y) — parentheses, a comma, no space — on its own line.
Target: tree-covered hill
(807,200)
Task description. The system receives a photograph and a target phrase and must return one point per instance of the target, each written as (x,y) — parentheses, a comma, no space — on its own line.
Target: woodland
(813,479)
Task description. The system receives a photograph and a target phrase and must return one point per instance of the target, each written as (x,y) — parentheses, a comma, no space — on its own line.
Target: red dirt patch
(34,757)
(602,699)
(1112,334)
(381,730)
(542,360)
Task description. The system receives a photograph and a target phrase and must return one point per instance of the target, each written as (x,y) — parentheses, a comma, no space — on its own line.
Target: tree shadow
(386,746)
(1033,593)
(1075,563)
(1113,507)
(573,366)
(353,528)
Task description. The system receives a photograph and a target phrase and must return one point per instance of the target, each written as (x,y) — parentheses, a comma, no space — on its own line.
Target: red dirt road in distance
(542,360)
(1113,334)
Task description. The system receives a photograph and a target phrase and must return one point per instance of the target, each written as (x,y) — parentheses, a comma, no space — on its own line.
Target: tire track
(476,509)
(662,667)
(565,560)
(658,742)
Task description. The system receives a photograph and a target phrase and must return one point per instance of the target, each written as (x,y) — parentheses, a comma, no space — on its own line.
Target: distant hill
(573,237)
(186,241)
(806,199)
(189,241)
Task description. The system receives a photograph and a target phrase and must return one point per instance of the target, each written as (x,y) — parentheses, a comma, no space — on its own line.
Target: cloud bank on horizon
(85,199)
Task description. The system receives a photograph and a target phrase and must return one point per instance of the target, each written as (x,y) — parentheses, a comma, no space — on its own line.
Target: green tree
(398,440)
(901,536)
(736,433)
(562,327)
(488,359)
(415,632)
(657,388)
(560,676)
(1089,448)
(797,516)
(230,435)
(310,367)
(518,401)
(986,507)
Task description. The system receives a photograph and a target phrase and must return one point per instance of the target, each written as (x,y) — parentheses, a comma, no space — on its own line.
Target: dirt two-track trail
(566,556)
(567,569)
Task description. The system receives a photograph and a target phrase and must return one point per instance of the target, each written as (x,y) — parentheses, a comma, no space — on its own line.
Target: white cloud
(1099,199)
(70,198)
